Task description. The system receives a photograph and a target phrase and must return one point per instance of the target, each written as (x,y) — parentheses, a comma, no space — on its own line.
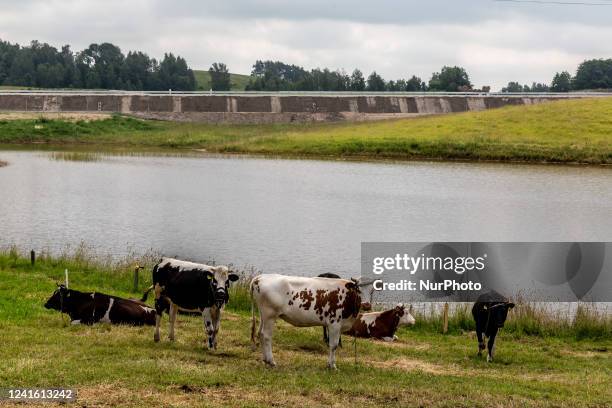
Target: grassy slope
(113,366)
(238,81)
(565,131)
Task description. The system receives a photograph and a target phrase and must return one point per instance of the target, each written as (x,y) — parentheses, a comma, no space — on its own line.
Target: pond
(300,217)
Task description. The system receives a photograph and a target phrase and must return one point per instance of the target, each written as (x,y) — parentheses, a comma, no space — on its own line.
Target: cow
(93,307)
(381,325)
(303,302)
(191,287)
(366,306)
(490,312)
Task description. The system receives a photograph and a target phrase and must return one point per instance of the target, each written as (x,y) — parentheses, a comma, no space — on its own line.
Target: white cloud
(495,42)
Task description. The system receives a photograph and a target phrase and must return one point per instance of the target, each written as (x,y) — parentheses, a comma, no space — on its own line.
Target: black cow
(191,287)
(490,312)
(94,307)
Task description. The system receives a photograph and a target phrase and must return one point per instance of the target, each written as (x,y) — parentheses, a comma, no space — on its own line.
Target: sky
(496,41)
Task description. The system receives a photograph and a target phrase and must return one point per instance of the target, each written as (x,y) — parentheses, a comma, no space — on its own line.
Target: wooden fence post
(445,326)
(136,269)
(32,257)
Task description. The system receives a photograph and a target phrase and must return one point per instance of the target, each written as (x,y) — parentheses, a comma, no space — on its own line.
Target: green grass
(238,81)
(577,131)
(122,366)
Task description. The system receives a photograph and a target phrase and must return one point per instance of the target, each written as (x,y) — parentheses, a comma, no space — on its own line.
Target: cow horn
(365,283)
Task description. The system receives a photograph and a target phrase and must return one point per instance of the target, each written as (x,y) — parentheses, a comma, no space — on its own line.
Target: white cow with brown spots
(303,302)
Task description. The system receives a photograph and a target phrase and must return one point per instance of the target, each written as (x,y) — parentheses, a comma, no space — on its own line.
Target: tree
(538,87)
(562,82)
(594,74)
(175,74)
(357,81)
(278,76)
(415,84)
(514,87)
(450,79)
(375,83)
(219,77)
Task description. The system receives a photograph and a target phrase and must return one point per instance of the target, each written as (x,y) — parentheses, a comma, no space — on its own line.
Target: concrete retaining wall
(260,108)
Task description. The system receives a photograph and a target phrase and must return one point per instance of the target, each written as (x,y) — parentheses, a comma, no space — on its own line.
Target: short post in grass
(445,319)
(136,269)
(32,258)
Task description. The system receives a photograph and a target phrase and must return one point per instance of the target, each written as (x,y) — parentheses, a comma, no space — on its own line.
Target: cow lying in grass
(490,312)
(303,302)
(94,307)
(381,325)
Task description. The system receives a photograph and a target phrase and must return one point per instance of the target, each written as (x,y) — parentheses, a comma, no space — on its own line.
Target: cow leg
(491,346)
(157,323)
(216,323)
(172,318)
(207,317)
(160,306)
(481,344)
(334,339)
(267,329)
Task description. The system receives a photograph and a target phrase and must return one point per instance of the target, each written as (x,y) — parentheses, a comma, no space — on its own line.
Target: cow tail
(146,294)
(253,320)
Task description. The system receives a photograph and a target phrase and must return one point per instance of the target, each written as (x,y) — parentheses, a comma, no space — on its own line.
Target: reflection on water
(298,217)
(76,156)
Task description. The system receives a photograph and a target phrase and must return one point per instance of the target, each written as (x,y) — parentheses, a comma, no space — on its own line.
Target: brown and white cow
(95,307)
(381,325)
(303,302)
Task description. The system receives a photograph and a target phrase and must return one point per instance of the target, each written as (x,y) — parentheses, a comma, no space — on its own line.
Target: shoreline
(117,148)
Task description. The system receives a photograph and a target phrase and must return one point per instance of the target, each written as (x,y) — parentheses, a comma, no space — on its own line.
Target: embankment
(263,108)
(570,131)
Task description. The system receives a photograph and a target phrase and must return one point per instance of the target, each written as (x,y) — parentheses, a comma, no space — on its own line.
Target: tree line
(279,76)
(104,66)
(594,74)
(99,66)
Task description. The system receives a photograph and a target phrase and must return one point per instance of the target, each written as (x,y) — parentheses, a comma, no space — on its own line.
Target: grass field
(577,131)
(122,366)
(238,81)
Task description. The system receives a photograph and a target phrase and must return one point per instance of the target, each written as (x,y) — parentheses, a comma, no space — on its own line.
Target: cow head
(221,278)
(498,313)
(405,318)
(59,299)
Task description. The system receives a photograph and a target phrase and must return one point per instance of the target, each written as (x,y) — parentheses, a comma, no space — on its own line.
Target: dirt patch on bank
(408,364)
(67,116)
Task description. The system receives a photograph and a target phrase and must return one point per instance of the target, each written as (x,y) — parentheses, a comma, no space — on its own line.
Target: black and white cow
(303,302)
(94,307)
(191,287)
(490,312)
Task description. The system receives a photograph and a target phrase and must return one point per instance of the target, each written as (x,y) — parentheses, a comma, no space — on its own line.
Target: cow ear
(233,277)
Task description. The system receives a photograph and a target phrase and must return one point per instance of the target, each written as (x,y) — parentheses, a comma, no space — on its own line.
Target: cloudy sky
(496,41)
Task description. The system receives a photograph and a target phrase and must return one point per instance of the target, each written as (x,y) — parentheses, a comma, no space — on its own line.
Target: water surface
(299,217)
